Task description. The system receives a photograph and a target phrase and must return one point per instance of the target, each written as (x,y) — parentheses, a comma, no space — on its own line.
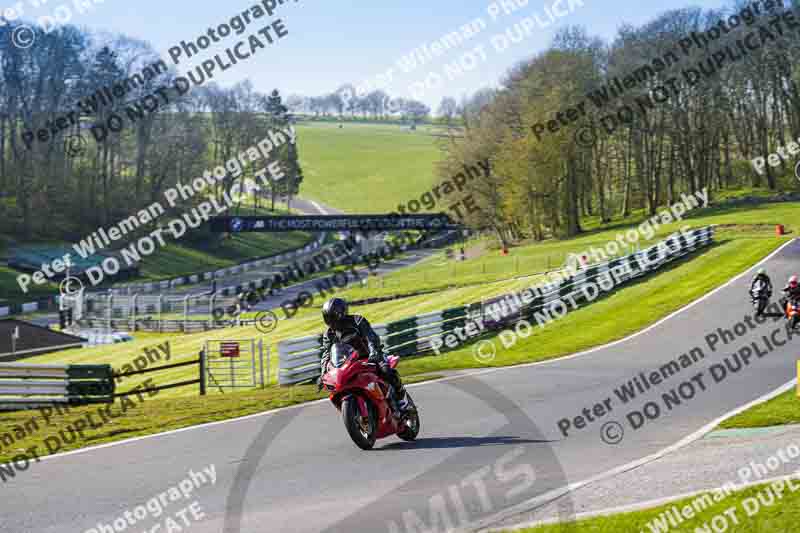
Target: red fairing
(358,379)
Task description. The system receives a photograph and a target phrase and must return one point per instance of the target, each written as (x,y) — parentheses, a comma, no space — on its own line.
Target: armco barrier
(166,326)
(27,385)
(142,312)
(155,326)
(299,358)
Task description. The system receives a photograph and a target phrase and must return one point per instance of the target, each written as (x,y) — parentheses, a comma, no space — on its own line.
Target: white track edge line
(318,207)
(659,502)
(557,493)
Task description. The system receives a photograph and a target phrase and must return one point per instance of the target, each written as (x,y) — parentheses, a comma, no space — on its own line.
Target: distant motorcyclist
(761,290)
(356,331)
(791,292)
(761,282)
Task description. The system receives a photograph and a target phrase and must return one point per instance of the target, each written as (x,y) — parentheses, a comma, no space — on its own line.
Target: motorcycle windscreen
(340,353)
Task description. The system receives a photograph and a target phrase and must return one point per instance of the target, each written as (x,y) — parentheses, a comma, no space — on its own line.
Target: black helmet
(334,311)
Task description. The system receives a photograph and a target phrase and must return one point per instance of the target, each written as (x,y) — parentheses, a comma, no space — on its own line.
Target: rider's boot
(394,404)
(403,401)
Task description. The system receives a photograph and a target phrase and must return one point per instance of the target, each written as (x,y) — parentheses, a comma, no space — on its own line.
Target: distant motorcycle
(760,295)
(362,397)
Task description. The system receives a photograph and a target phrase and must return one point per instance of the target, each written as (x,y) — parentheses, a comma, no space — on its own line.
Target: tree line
(702,133)
(346,100)
(376,105)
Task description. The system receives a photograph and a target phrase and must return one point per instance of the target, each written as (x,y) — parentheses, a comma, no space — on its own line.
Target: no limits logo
(490,478)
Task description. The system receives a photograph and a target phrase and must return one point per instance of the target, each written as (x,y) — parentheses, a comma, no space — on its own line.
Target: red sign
(229,349)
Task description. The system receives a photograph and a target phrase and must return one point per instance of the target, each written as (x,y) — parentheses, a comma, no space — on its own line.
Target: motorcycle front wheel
(410,422)
(361,430)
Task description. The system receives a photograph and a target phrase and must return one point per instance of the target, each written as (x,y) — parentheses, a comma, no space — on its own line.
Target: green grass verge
(10,291)
(365,168)
(780,411)
(781,516)
(181,259)
(147,416)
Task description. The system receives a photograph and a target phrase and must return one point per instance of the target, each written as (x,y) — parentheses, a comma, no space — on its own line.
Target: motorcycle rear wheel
(361,431)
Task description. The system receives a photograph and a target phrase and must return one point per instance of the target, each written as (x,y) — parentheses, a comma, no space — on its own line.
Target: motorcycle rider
(761,286)
(360,335)
(792,292)
(762,278)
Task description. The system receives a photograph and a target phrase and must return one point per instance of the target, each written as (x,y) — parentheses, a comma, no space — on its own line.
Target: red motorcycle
(361,395)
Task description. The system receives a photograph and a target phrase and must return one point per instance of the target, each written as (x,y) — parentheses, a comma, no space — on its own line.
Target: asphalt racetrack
(490,447)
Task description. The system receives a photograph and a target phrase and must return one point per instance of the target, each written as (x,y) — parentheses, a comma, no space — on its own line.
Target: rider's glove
(375,358)
(379,360)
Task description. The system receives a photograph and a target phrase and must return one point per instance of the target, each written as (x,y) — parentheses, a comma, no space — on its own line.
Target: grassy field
(365,168)
(748,515)
(10,291)
(179,259)
(176,259)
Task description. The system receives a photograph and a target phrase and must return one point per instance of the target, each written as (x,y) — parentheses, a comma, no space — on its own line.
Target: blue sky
(330,43)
